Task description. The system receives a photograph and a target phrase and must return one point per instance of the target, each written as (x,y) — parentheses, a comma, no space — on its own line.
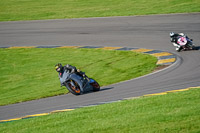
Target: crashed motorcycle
(184,43)
(77,84)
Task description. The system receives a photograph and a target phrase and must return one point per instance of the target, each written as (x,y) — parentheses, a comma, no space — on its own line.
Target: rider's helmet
(171,34)
(58,67)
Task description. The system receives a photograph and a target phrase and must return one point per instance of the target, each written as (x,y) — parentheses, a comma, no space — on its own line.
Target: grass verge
(174,112)
(28,74)
(12,10)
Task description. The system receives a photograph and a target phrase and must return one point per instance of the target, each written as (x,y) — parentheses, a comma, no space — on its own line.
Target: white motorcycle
(184,43)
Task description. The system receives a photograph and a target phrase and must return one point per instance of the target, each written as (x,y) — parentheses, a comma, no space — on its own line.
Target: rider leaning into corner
(72,69)
(176,39)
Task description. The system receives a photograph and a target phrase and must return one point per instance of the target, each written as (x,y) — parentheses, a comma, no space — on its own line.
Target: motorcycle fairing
(85,87)
(182,41)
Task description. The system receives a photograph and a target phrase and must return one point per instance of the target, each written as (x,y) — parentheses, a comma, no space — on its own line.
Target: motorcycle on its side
(77,85)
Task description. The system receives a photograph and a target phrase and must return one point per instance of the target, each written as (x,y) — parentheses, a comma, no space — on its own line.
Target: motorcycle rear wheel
(95,85)
(194,48)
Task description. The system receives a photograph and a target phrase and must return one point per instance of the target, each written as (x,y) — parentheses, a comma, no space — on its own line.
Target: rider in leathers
(174,39)
(72,69)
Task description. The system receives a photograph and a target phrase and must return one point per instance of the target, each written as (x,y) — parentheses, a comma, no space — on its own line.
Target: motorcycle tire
(194,48)
(180,49)
(73,89)
(95,85)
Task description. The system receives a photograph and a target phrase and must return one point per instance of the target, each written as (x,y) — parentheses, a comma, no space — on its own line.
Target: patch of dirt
(160,67)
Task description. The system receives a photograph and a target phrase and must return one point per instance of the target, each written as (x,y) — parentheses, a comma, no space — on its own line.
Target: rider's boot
(178,48)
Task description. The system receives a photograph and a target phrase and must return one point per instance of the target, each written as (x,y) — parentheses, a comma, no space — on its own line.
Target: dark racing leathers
(174,38)
(71,69)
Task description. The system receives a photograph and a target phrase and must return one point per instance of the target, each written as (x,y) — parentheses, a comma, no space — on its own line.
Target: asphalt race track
(150,32)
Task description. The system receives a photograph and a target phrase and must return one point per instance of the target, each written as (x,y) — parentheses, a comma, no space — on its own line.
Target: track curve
(137,31)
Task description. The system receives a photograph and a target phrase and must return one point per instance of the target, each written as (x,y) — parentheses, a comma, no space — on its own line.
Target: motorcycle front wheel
(73,87)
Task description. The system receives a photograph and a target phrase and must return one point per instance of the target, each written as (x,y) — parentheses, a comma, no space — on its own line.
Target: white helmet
(171,34)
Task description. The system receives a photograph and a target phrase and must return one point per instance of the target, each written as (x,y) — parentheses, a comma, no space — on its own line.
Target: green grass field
(12,10)
(28,74)
(172,113)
